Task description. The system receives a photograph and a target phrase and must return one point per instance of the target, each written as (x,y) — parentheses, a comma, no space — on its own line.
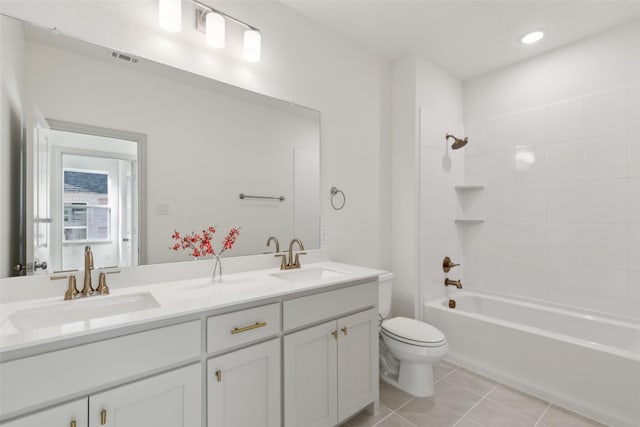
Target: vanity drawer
(38,379)
(241,327)
(314,308)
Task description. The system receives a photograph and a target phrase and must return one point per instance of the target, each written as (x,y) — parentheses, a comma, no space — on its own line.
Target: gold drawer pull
(335,334)
(344,330)
(103,417)
(73,423)
(219,375)
(248,328)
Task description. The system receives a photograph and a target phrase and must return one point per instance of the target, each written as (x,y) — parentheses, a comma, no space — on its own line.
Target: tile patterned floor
(465,399)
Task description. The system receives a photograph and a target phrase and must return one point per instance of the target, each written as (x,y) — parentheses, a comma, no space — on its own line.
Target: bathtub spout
(456,283)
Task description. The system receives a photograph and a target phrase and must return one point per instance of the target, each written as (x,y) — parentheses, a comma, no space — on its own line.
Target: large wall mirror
(117,152)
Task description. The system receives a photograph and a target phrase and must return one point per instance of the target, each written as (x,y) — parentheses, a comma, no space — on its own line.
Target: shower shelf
(468,221)
(469,187)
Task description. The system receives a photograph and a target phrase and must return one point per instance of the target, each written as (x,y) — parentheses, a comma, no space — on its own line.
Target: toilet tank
(385,282)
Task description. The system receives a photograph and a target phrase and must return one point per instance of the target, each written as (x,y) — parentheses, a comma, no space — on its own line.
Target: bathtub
(583,361)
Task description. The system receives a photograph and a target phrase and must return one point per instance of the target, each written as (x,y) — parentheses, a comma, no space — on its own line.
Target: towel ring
(334,191)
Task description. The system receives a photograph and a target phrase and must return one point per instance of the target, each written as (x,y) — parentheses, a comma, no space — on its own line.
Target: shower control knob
(447,264)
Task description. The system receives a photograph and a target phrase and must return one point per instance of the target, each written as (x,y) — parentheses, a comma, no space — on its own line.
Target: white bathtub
(582,361)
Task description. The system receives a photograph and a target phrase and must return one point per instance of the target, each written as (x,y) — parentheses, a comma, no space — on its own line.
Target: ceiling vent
(124,57)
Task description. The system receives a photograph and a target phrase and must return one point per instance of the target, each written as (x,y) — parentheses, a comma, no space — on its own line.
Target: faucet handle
(102,288)
(297,259)
(72,290)
(283,264)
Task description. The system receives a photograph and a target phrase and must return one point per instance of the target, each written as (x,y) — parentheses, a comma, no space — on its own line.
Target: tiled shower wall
(561,203)
(441,169)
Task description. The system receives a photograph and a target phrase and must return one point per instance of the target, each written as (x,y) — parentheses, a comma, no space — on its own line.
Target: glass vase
(217,268)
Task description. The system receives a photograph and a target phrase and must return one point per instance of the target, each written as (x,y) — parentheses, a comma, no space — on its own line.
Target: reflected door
(85,194)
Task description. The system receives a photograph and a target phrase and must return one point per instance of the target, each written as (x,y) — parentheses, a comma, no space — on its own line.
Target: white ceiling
(467,38)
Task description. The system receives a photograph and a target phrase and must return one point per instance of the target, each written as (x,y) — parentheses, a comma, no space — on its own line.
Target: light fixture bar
(229,17)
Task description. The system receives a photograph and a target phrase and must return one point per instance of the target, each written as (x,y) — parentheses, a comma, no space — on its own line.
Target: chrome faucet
(88,267)
(293,262)
(275,240)
(456,283)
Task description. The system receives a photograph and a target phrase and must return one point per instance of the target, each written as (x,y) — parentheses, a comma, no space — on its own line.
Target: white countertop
(176,298)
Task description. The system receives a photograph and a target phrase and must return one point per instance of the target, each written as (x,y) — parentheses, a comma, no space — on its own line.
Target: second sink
(307,274)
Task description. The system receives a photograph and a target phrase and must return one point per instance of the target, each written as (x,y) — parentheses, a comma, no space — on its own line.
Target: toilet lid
(412,331)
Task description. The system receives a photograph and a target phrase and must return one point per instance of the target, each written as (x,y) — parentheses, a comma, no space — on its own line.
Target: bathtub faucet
(456,283)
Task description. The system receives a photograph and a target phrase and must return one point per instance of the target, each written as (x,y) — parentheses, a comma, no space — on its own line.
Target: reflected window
(87,212)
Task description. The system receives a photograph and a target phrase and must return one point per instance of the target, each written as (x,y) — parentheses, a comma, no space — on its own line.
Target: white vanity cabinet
(53,376)
(170,399)
(243,387)
(330,369)
(72,414)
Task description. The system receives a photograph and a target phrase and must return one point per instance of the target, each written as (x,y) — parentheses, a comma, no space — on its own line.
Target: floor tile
(518,401)
(471,381)
(394,420)
(392,397)
(364,419)
(427,412)
(491,414)
(455,397)
(560,417)
(442,369)
(468,422)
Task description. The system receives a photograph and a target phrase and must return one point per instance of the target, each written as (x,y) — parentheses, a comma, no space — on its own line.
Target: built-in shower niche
(471,201)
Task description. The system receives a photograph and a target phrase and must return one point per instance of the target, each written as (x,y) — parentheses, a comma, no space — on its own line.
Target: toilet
(415,344)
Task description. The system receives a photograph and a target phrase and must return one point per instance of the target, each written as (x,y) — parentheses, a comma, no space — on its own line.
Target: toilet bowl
(417,346)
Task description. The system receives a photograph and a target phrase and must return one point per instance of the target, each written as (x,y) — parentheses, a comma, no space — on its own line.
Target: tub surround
(549,351)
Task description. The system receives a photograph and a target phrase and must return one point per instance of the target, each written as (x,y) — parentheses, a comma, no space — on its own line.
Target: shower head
(457,142)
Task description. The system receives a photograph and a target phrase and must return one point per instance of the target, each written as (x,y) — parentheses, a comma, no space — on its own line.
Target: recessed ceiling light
(532,37)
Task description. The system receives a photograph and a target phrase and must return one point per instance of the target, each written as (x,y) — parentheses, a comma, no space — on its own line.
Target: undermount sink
(81,310)
(307,274)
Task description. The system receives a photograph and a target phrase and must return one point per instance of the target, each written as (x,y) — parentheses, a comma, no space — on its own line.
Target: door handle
(103,417)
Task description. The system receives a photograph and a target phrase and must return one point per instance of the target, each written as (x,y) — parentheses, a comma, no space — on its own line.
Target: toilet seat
(413,332)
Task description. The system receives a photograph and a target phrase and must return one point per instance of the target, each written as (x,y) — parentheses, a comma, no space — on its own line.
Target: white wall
(300,62)
(556,142)
(12,123)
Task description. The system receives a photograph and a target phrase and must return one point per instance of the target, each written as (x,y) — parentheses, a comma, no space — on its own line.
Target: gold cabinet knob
(344,330)
(103,417)
(219,375)
(335,334)
(73,423)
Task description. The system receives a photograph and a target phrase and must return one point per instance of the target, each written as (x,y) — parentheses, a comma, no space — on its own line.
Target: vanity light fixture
(212,22)
(532,37)
(215,29)
(170,15)
(251,49)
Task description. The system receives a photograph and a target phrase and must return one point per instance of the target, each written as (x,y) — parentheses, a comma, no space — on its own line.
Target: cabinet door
(171,399)
(310,371)
(357,362)
(243,387)
(60,416)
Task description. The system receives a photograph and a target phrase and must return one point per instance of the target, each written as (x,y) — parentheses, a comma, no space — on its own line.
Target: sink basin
(81,310)
(307,275)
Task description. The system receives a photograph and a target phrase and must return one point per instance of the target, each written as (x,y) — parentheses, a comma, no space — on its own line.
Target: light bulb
(532,37)
(252,45)
(170,15)
(215,30)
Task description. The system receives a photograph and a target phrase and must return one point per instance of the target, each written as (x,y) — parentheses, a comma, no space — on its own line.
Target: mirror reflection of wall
(206,142)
